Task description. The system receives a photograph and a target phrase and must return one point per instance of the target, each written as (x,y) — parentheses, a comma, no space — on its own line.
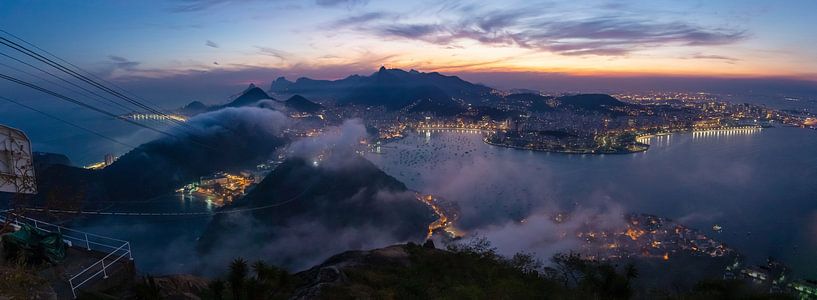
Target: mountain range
(251,97)
(395,89)
(412,92)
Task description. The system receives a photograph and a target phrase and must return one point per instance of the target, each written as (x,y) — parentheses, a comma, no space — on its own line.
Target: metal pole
(73,290)
(104,272)
(130,254)
(87,243)
(35,224)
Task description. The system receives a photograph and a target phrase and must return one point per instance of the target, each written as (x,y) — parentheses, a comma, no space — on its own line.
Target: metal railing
(115,249)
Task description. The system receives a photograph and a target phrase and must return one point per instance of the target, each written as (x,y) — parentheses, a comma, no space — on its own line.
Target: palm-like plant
(261,270)
(237,276)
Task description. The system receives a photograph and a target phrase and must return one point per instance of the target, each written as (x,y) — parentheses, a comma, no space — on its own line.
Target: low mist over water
(763,200)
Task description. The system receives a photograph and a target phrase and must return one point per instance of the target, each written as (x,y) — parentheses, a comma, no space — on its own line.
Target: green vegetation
(470,271)
(19,281)
(466,271)
(263,282)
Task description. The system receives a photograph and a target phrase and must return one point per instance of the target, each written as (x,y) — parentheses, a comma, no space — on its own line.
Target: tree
(590,277)
(217,287)
(237,276)
(568,268)
(526,263)
(261,270)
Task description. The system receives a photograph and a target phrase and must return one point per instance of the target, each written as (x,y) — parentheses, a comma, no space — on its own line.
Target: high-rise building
(109,159)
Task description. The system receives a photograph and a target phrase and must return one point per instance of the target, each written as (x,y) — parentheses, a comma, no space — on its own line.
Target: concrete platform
(76,260)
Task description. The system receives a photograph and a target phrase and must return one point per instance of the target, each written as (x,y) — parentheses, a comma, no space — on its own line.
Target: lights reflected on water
(666,139)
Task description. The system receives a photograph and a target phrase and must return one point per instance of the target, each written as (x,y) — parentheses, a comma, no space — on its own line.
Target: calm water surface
(761,187)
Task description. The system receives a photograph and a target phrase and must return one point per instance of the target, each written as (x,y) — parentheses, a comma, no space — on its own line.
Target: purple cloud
(347,3)
(610,36)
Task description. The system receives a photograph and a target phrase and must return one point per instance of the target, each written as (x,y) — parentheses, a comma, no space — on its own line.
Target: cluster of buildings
(773,276)
(659,96)
(447,213)
(517,123)
(220,188)
(650,236)
(109,160)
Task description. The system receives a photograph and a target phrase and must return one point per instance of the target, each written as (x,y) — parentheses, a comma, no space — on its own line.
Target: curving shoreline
(642,146)
(486,141)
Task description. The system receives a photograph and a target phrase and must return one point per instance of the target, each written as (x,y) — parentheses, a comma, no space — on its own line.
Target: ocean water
(760,186)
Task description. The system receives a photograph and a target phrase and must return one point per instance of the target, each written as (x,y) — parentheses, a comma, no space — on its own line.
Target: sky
(149,38)
(206,49)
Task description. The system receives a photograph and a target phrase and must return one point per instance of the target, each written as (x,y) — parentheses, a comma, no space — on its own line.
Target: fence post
(104,271)
(87,243)
(130,254)
(73,290)
(36,225)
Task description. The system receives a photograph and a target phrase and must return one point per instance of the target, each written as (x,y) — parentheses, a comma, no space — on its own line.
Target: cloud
(184,6)
(727,59)
(304,240)
(359,19)
(210,43)
(608,36)
(118,66)
(412,31)
(341,138)
(187,6)
(259,121)
(123,63)
(346,3)
(282,55)
(544,237)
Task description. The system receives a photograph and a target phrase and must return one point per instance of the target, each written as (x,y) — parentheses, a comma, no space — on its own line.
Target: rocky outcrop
(180,286)
(334,271)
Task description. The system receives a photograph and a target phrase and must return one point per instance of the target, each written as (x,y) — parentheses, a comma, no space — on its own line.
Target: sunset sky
(147,38)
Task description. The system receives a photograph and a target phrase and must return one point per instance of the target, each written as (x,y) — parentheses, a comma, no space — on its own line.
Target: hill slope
(250,96)
(301,104)
(300,213)
(590,102)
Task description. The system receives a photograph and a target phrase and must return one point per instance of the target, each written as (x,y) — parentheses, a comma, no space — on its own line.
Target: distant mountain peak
(249,96)
(302,104)
(280,84)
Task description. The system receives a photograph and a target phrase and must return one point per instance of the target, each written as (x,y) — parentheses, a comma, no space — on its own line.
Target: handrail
(101,260)
(101,242)
(38,222)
